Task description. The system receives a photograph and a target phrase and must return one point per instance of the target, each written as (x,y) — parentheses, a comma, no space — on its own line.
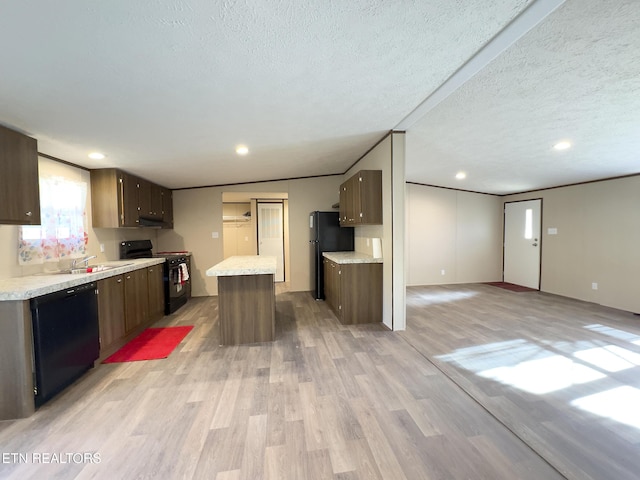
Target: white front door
(271,235)
(522,243)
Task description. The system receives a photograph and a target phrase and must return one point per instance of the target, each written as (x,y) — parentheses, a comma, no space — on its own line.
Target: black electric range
(177,283)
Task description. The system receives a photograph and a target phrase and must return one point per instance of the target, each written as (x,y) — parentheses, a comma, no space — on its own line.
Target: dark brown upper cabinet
(167,207)
(361,199)
(119,199)
(149,200)
(19,182)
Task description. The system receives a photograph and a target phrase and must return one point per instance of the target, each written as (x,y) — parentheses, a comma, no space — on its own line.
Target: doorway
(238,229)
(240,220)
(522,243)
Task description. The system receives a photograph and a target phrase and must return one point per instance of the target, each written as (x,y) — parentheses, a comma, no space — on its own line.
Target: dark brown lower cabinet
(136,299)
(111,310)
(156,293)
(354,291)
(127,303)
(332,284)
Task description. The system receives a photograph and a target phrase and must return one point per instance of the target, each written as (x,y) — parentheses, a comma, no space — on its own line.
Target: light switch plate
(214,234)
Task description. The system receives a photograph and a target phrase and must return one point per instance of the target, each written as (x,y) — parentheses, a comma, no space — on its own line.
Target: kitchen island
(246,299)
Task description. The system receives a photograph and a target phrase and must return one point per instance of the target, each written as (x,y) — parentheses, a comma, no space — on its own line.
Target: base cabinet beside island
(353,287)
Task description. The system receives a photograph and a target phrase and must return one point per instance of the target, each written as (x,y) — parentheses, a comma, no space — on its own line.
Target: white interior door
(522,243)
(271,235)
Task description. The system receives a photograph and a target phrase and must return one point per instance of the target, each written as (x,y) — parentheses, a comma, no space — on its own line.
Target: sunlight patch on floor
(549,366)
(527,366)
(544,375)
(619,404)
(497,354)
(442,297)
(614,332)
(610,358)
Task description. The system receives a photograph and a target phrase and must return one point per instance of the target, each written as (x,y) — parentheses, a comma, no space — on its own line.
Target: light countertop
(244,265)
(31,286)
(350,257)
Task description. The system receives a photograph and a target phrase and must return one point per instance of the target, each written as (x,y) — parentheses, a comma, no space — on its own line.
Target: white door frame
(536,240)
(280,273)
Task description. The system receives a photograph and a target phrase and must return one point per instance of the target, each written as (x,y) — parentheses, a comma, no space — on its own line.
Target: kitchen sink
(101,268)
(86,270)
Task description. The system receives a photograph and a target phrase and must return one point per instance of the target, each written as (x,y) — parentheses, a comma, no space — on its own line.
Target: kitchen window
(63,231)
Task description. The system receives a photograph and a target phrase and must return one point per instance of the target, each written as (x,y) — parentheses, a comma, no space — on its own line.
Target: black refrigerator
(326,236)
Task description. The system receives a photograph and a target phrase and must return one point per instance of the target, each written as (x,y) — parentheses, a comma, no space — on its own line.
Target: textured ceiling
(575,76)
(167,89)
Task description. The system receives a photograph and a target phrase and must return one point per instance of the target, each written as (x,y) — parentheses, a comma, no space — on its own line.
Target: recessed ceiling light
(242,149)
(461,175)
(96,155)
(563,145)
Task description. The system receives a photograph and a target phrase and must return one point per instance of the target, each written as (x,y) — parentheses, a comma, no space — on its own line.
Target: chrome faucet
(75,263)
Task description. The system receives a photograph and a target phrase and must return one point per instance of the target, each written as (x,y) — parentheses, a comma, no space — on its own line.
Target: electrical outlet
(594,286)
(214,234)
(442,272)
(102,248)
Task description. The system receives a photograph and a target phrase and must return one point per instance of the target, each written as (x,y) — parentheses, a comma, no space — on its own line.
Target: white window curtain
(63,232)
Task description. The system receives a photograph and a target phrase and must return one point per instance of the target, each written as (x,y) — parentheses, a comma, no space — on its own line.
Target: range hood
(151,222)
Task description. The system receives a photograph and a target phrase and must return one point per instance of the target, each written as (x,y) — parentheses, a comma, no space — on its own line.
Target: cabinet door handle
(28,214)
(119,280)
(128,277)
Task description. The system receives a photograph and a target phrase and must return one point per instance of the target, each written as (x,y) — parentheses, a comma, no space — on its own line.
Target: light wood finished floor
(323,401)
(564,375)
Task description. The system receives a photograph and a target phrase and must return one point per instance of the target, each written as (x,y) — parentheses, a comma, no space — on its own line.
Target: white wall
(598,241)
(198,213)
(387,156)
(455,231)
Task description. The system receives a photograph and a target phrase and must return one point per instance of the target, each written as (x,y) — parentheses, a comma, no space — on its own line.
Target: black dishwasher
(66,338)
